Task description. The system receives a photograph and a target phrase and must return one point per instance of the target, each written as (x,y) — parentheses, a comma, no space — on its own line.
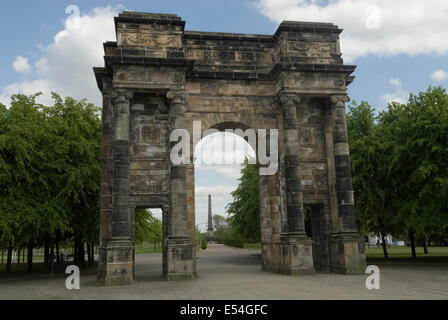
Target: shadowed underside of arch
(159,77)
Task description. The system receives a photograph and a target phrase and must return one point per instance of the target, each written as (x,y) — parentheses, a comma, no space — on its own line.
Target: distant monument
(210,220)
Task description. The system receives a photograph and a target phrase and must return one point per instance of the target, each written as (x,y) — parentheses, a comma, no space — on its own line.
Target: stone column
(297,255)
(346,245)
(119,261)
(180,256)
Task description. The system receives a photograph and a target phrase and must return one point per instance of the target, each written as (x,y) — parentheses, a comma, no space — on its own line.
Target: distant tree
(147,227)
(244,211)
(220,224)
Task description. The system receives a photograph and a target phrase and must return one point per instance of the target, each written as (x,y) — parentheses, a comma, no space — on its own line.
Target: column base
(180,259)
(271,255)
(347,253)
(119,266)
(296,254)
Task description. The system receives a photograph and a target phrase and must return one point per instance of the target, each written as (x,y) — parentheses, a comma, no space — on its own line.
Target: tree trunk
(18,256)
(9,259)
(93,252)
(386,255)
(89,254)
(80,257)
(30,256)
(58,256)
(425,246)
(2,256)
(52,257)
(46,253)
(23,255)
(412,238)
(75,251)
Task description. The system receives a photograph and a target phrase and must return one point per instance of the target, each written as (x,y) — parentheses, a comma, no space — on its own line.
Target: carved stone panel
(150,134)
(149,39)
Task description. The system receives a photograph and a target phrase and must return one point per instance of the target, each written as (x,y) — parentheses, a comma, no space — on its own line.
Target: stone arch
(159,79)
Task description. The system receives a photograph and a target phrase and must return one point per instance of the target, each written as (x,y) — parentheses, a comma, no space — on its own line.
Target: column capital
(121,95)
(339,100)
(177,96)
(288,100)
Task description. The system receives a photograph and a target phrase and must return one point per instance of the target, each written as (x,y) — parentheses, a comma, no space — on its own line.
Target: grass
(147,247)
(252,246)
(405,253)
(39,268)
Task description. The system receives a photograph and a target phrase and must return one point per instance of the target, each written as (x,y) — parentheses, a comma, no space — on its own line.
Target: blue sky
(399,46)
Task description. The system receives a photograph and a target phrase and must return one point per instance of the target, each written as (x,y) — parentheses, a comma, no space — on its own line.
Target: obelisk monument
(210,220)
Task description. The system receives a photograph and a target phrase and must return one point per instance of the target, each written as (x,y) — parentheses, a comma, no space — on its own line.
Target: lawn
(147,247)
(405,253)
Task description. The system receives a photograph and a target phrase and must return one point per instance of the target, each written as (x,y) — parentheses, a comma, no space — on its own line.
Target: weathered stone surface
(158,77)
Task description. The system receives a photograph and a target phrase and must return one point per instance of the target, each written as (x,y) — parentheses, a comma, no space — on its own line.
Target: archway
(159,78)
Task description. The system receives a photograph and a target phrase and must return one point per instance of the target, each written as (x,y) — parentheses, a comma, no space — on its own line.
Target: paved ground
(228,273)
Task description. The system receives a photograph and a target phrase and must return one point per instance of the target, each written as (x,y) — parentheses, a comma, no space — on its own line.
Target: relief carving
(308,136)
(317,50)
(150,40)
(151,135)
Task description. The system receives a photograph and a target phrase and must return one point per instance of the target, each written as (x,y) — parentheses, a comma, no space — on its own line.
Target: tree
(244,211)
(369,155)
(220,224)
(28,207)
(49,175)
(147,227)
(399,166)
(76,175)
(418,133)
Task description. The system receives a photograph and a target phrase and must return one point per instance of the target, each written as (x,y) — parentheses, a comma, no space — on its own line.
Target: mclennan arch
(159,77)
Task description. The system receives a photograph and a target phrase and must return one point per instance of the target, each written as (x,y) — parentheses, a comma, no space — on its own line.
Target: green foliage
(49,170)
(204,244)
(244,211)
(147,227)
(220,225)
(400,165)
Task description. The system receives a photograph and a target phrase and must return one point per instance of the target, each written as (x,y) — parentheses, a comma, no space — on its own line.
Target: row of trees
(49,177)
(400,174)
(400,168)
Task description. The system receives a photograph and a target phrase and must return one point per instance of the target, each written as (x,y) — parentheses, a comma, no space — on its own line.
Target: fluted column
(296,248)
(346,245)
(119,259)
(295,217)
(344,187)
(120,150)
(179,251)
(178,172)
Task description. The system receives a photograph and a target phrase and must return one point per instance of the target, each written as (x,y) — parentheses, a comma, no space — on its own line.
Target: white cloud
(66,65)
(21,65)
(222,148)
(398,95)
(395,82)
(439,75)
(227,171)
(380,27)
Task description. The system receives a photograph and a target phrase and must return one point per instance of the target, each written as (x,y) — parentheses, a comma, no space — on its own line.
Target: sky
(399,47)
